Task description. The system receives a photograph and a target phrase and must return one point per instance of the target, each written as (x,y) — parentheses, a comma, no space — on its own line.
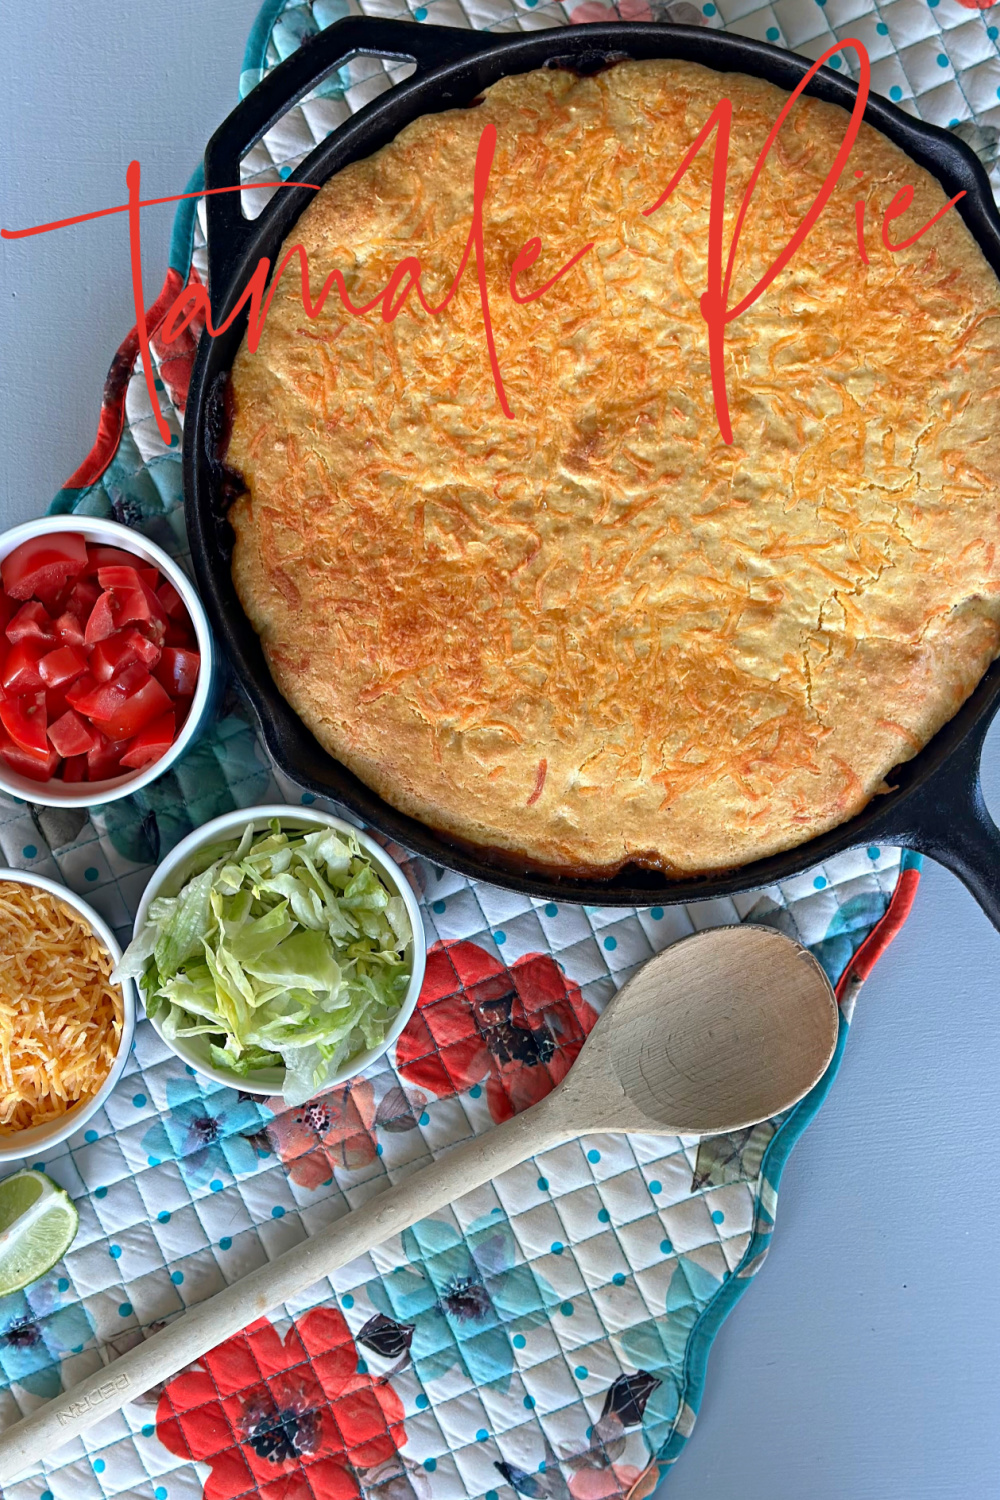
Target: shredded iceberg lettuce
(287,951)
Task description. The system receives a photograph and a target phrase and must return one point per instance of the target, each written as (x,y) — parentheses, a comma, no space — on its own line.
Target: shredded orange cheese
(60,1015)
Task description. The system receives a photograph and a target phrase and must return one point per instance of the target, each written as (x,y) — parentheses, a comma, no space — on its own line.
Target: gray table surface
(862,1364)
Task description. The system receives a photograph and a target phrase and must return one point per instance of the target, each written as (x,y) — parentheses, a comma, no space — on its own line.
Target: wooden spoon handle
(225,1314)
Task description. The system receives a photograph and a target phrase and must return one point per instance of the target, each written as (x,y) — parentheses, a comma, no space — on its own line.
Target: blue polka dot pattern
(438,906)
(551,909)
(90,1136)
(153,1161)
(834,62)
(148,1430)
(529,1402)
(543,1184)
(124,1309)
(99,1465)
(581,1372)
(873,853)
(708,10)
(420,14)
(164,1216)
(718,1217)
(430,1464)
(665,1247)
(379,1149)
(656,912)
(519,1341)
(90,873)
(422,1402)
(160,1493)
(425,1119)
(942,60)
(29,851)
(475,1091)
(215,1185)
(992,33)
(100,1192)
(773,33)
(139,1100)
(499,938)
(362,1367)
(655,1187)
(115,1252)
(820,882)
(482,1436)
(225,1243)
(567,1309)
(593,1156)
(896,93)
(177,1277)
(611,943)
(63,1284)
(308,798)
(603,1216)
(618,1279)
(882,29)
(347,1301)
(277,1212)
(557,1247)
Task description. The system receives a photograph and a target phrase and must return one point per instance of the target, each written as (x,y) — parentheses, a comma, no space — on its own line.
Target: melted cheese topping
(60,1015)
(595,633)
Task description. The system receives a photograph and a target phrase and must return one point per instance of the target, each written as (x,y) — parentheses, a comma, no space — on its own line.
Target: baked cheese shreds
(60,1015)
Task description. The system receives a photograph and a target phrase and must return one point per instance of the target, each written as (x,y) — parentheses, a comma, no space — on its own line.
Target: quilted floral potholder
(548,1335)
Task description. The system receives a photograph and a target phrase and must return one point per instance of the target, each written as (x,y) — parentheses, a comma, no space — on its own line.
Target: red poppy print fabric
(294,1418)
(519,1029)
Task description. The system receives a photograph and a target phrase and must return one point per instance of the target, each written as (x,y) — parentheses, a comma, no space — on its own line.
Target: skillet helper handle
(405,41)
(948,820)
(227,1313)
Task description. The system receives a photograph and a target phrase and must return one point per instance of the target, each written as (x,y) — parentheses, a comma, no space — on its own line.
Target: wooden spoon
(717,1032)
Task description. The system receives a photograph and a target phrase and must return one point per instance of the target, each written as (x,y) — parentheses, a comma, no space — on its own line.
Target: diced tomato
(7,608)
(81,687)
(106,697)
(143,706)
(74,768)
(63,666)
(147,651)
(104,761)
(178,671)
(119,577)
(112,654)
(108,557)
(20,670)
(36,767)
(101,622)
(172,601)
(150,743)
(82,597)
(43,562)
(179,634)
(24,720)
(55,704)
(150,577)
(54,596)
(68,630)
(31,623)
(72,735)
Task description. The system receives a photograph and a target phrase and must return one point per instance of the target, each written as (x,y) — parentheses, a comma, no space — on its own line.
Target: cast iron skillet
(936,804)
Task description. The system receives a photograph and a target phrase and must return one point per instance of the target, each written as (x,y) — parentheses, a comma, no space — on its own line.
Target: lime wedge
(38,1223)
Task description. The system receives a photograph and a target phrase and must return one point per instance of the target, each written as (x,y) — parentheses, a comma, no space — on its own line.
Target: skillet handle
(947,819)
(406,41)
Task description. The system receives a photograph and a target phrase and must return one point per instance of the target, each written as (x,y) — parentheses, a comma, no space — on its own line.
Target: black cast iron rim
(935,803)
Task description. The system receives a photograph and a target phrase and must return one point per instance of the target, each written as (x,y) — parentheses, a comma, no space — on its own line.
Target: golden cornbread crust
(595,634)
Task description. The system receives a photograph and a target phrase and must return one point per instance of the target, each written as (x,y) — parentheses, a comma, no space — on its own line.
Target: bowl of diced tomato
(105,661)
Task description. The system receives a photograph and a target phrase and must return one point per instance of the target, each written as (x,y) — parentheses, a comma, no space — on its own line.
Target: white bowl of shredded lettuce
(278,950)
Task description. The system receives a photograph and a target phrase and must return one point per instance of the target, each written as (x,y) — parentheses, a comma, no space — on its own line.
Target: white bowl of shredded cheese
(56,1017)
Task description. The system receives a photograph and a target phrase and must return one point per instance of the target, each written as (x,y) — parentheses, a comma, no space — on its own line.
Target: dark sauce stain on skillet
(227,483)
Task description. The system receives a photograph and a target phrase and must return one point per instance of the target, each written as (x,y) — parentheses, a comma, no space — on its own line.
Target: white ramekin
(172,873)
(39,1138)
(93,793)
